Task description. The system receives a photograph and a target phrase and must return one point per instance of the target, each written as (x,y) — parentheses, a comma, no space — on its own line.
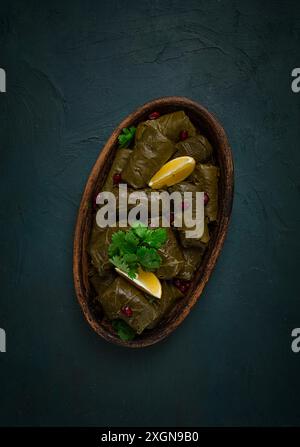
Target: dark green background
(74,71)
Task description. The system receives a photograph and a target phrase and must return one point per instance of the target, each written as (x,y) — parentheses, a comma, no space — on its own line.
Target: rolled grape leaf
(186,187)
(170,294)
(170,125)
(154,146)
(151,151)
(206,176)
(100,284)
(183,187)
(172,257)
(121,293)
(196,242)
(98,248)
(197,147)
(117,166)
(192,258)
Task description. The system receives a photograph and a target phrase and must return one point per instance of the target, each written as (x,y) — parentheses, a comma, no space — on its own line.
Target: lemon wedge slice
(175,171)
(145,281)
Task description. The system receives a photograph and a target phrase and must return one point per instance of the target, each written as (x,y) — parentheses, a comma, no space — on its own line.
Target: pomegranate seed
(187,284)
(117,178)
(127,311)
(177,283)
(183,135)
(206,198)
(182,284)
(154,115)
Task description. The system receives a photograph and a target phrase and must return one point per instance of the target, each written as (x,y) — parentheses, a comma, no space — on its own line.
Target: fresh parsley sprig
(126,136)
(136,248)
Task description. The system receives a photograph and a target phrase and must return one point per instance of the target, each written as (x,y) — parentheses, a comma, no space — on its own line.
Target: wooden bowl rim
(156,335)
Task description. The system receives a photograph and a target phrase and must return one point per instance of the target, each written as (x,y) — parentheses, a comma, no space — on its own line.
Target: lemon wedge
(145,281)
(175,171)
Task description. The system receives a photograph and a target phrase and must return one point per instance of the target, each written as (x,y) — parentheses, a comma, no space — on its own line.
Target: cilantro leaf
(137,247)
(117,241)
(120,263)
(131,241)
(140,230)
(124,331)
(131,260)
(126,136)
(148,258)
(122,242)
(156,237)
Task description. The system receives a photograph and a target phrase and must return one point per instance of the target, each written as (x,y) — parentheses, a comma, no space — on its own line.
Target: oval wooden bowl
(208,125)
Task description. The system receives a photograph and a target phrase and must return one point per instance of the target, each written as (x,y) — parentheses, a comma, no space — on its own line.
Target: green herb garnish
(124,331)
(136,248)
(126,136)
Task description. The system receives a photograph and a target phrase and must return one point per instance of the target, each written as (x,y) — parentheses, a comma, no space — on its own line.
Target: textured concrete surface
(74,70)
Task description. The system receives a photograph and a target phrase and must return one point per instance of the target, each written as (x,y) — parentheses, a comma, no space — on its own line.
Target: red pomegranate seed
(182,288)
(187,284)
(127,311)
(177,283)
(206,198)
(183,135)
(154,115)
(117,178)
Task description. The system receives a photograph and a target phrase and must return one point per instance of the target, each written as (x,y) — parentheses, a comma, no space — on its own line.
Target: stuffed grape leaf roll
(98,248)
(154,146)
(197,147)
(151,151)
(192,258)
(100,284)
(170,294)
(206,176)
(120,160)
(186,187)
(172,257)
(170,125)
(195,241)
(120,294)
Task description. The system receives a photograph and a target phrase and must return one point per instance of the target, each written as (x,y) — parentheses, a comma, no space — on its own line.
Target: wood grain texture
(207,124)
